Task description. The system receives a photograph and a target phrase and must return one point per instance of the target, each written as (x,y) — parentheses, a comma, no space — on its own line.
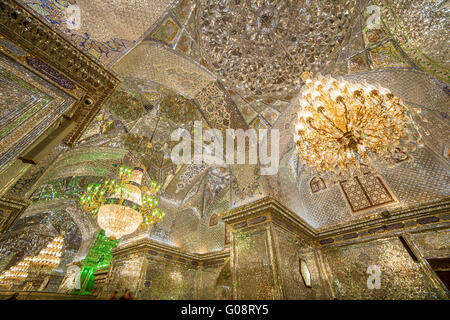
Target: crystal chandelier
(49,258)
(17,273)
(121,205)
(340,123)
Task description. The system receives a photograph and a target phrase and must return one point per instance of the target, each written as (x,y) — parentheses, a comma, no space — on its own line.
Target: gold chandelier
(340,123)
(122,205)
(49,258)
(17,273)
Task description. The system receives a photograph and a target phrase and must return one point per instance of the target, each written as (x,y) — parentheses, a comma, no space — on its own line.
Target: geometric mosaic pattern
(366,192)
(108,28)
(33,104)
(408,19)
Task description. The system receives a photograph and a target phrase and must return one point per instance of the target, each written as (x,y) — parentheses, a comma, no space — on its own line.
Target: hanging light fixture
(49,258)
(340,123)
(17,273)
(122,205)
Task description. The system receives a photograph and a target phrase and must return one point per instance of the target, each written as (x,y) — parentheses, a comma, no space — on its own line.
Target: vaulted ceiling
(237,64)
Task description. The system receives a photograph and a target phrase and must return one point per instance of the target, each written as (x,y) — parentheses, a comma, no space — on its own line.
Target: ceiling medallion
(122,205)
(340,123)
(260,47)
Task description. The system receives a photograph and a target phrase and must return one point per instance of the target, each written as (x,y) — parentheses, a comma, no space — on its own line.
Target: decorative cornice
(246,213)
(150,248)
(397,215)
(47,47)
(435,214)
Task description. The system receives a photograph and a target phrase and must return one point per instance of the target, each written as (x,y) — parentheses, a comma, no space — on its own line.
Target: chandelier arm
(378,105)
(323,131)
(341,100)
(359,116)
(302,138)
(331,122)
(363,117)
(361,101)
(392,105)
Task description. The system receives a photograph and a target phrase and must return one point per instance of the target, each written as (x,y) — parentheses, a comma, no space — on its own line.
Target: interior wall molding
(154,248)
(424,217)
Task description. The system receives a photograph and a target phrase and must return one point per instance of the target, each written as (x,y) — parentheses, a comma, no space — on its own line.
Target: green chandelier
(99,257)
(122,204)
